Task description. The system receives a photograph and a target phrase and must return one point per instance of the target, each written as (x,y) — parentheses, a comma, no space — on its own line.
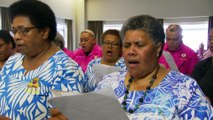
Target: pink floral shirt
(80,57)
(184,57)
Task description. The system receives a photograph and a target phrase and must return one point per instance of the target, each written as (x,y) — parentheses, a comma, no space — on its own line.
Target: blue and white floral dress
(177,97)
(24,96)
(89,81)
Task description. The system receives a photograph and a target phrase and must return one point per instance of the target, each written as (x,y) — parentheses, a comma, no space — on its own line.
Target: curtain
(6,25)
(97,28)
(210,26)
(69,34)
(210,23)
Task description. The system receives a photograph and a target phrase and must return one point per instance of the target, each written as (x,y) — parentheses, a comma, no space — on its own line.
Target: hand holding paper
(100,105)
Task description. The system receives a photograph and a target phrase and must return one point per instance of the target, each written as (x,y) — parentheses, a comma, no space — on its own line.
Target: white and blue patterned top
(177,97)
(24,97)
(89,81)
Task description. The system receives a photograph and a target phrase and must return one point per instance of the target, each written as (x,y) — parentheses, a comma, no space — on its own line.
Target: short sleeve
(69,77)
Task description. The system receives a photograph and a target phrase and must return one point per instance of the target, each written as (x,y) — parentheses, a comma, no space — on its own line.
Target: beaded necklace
(124,103)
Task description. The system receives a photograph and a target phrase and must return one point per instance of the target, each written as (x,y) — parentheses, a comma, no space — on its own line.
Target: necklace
(124,103)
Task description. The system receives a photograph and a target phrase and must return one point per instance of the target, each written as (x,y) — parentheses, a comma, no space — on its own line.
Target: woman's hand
(4,118)
(56,115)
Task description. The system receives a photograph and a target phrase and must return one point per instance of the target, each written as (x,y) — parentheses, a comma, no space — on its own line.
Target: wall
(64,9)
(110,10)
(118,10)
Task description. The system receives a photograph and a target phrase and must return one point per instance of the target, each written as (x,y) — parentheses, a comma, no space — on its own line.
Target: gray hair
(59,41)
(89,32)
(147,23)
(175,28)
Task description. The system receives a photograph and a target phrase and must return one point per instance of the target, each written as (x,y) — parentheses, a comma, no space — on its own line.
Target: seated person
(89,49)
(112,56)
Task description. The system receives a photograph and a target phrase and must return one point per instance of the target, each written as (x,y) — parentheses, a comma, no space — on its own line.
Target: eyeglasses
(111,44)
(22,30)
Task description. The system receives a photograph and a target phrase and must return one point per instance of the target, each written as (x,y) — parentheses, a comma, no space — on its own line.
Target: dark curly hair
(39,13)
(112,32)
(7,38)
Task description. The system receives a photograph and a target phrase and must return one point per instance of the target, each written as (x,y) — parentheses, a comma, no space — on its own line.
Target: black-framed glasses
(111,44)
(22,30)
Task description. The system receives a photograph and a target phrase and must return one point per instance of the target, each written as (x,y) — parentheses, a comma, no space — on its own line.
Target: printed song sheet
(99,105)
(100,70)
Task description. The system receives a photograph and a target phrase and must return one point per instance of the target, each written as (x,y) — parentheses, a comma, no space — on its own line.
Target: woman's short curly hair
(39,13)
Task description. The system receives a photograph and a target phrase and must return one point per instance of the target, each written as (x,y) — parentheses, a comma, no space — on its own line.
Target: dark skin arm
(56,115)
(4,118)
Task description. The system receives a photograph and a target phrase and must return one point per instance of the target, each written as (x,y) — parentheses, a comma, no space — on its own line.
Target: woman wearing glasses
(112,52)
(28,77)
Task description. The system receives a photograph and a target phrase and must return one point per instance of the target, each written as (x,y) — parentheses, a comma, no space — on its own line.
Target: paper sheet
(100,105)
(100,70)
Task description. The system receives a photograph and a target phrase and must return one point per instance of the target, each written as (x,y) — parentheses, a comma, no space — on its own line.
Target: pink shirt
(68,52)
(80,57)
(184,57)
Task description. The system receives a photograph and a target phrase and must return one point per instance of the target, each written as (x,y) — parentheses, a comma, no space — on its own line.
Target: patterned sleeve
(197,107)
(105,83)
(121,64)
(89,81)
(69,76)
(109,81)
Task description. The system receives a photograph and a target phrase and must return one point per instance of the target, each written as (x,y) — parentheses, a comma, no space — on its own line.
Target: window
(112,26)
(195,30)
(194,33)
(62,29)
